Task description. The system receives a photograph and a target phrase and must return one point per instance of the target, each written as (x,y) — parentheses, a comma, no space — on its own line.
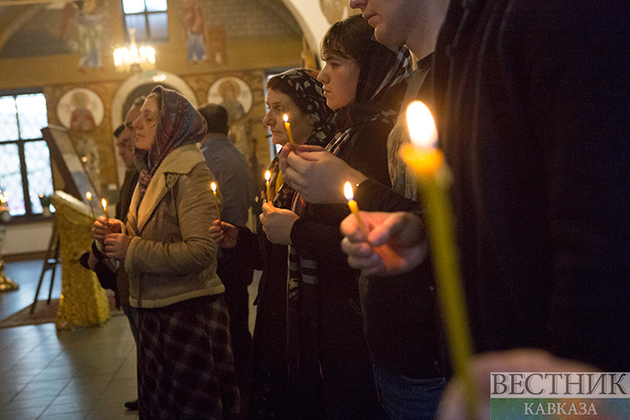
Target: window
(25,161)
(148,18)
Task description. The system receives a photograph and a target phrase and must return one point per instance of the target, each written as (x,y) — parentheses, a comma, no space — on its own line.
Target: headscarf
(380,90)
(178,124)
(308,95)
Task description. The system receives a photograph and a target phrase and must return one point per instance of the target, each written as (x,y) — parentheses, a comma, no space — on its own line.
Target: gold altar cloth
(83,301)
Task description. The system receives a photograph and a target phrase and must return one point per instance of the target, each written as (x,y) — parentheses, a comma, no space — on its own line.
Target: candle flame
(267,176)
(422,129)
(285,117)
(347,190)
(88,195)
(104,203)
(213,185)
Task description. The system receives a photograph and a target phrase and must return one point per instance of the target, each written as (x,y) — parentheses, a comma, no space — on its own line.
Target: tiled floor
(88,373)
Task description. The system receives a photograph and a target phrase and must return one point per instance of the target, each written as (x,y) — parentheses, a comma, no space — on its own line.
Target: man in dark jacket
(533,110)
(236,183)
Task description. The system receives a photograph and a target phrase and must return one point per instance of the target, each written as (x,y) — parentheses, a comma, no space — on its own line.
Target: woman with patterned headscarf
(364,82)
(299,95)
(185,362)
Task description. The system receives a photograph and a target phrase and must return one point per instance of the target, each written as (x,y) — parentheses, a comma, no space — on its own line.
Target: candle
(434,179)
(285,117)
(213,185)
(279,182)
(354,207)
(104,204)
(267,178)
(88,195)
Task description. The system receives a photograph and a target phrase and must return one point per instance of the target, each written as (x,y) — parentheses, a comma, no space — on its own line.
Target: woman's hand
(102,228)
(318,175)
(224,234)
(116,245)
(277,223)
(395,243)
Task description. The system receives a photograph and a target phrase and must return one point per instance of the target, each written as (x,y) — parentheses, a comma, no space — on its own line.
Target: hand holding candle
(354,207)
(285,117)
(213,185)
(267,178)
(434,180)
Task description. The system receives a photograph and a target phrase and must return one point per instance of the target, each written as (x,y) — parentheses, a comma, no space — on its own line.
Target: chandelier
(134,58)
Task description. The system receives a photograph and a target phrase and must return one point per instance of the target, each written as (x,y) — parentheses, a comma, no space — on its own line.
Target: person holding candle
(410,374)
(185,361)
(536,133)
(235,192)
(298,94)
(95,260)
(364,81)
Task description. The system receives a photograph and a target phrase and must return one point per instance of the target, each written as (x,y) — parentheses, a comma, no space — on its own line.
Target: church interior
(63,91)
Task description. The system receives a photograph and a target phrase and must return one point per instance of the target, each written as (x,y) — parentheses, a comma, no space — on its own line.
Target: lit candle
(354,207)
(434,179)
(213,185)
(285,117)
(267,178)
(104,204)
(88,195)
(4,207)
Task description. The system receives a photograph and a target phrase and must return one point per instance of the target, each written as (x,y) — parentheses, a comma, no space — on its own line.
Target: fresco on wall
(236,97)
(80,109)
(82,28)
(38,35)
(194,25)
(58,27)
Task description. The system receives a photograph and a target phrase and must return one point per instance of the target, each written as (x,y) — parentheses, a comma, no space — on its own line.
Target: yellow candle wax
(434,180)
(285,117)
(279,182)
(354,207)
(88,195)
(267,178)
(104,204)
(213,185)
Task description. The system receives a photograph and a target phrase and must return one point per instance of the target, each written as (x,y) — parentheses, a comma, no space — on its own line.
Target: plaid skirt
(185,362)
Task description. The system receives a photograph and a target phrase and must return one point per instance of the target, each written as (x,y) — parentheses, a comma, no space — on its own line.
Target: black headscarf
(308,95)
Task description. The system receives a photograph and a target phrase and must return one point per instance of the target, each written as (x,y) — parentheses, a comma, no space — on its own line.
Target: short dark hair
(348,38)
(119,130)
(216,117)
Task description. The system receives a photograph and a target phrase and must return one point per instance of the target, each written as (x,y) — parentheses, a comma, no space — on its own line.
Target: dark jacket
(533,110)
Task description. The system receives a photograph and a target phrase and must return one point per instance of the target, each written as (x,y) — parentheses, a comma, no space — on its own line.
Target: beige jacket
(171,256)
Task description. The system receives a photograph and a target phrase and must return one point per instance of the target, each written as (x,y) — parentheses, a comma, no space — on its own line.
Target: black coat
(533,110)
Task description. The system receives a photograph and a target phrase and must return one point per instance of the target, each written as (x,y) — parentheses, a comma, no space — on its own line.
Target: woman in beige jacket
(185,362)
